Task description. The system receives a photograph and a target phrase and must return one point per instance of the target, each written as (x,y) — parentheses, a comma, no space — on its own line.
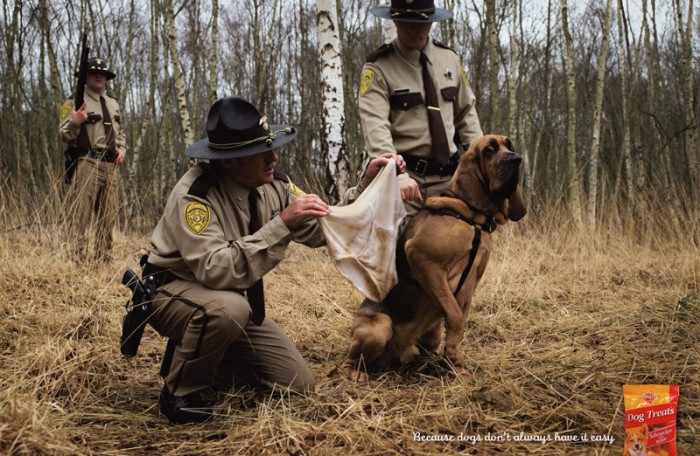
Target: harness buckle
(421,167)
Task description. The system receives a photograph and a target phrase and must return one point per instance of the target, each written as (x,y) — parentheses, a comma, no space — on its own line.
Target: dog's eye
(489,151)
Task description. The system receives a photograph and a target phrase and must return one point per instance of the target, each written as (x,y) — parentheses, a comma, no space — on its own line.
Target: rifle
(82,74)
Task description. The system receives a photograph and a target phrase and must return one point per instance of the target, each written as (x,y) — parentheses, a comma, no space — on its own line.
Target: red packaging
(650,419)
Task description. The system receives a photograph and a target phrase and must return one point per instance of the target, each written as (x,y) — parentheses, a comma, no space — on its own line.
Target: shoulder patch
(381,50)
(66,109)
(296,191)
(443,45)
(197,217)
(366,81)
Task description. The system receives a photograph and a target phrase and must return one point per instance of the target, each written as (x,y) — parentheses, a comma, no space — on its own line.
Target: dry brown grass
(560,323)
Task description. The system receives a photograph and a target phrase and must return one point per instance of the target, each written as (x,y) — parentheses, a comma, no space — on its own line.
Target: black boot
(189,408)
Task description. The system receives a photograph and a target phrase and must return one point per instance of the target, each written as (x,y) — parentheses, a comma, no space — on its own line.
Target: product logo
(649,397)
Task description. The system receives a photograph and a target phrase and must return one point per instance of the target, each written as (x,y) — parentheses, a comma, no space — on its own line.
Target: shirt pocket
(405,101)
(449,93)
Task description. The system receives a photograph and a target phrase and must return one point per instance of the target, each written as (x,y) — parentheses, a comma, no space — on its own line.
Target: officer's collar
(92,93)
(413,55)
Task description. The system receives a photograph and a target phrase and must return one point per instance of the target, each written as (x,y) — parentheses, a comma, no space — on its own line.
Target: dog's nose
(514,160)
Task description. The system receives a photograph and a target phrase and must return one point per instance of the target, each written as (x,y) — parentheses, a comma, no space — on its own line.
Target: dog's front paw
(456,357)
(355,372)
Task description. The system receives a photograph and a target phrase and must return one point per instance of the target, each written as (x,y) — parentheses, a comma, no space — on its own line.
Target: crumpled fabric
(361,237)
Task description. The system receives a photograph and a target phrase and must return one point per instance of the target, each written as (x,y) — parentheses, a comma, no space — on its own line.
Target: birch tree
(213,63)
(493,63)
(574,175)
(597,117)
(691,128)
(179,77)
(333,118)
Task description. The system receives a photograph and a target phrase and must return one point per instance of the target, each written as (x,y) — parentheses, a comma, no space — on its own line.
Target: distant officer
(415,100)
(226,224)
(95,136)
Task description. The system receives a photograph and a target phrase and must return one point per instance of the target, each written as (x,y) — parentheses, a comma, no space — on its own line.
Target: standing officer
(226,224)
(415,100)
(96,134)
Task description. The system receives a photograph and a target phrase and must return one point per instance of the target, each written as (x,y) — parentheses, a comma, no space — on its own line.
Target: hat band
(395,12)
(268,139)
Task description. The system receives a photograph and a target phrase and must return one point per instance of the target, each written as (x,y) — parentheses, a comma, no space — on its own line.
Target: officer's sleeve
(309,231)
(375,112)
(66,130)
(121,135)
(467,123)
(222,263)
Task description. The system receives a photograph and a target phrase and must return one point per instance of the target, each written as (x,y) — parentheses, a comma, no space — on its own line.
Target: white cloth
(361,237)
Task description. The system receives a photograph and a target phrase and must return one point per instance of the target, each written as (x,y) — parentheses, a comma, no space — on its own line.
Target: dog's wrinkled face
(488,175)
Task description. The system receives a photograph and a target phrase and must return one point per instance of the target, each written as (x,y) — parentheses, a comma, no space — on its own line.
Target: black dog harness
(489,227)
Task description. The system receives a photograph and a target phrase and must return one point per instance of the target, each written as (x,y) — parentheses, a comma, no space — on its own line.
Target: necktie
(107,121)
(440,147)
(256,294)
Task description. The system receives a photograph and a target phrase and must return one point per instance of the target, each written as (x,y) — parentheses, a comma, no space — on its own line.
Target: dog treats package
(650,419)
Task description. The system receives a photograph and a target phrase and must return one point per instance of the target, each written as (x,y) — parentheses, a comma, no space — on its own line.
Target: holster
(72,155)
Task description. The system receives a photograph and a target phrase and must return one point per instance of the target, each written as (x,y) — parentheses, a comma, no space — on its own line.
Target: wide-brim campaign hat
(235,129)
(99,65)
(412,11)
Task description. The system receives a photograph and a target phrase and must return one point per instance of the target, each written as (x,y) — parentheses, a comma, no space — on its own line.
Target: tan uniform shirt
(206,239)
(392,108)
(95,124)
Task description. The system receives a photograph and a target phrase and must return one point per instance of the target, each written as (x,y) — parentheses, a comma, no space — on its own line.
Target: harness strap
(476,242)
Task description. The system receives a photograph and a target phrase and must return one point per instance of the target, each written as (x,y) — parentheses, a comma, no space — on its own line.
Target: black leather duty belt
(102,154)
(430,167)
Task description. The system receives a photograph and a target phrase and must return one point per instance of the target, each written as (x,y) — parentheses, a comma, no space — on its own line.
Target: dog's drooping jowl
(447,249)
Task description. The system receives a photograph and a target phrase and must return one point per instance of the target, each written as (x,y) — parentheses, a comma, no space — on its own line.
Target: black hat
(412,11)
(97,64)
(235,128)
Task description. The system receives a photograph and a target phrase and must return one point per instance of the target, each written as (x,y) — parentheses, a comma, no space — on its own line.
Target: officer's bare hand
(78,117)
(121,155)
(302,208)
(410,191)
(376,165)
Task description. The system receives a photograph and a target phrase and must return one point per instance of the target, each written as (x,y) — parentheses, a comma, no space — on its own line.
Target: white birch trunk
(691,133)
(213,63)
(333,118)
(574,175)
(626,134)
(597,118)
(179,77)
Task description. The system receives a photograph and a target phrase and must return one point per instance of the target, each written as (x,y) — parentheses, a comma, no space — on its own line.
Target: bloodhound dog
(447,249)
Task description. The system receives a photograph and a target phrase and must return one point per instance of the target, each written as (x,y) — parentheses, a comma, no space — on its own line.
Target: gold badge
(296,191)
(464,76)
(66,109)
(197,217)
(366,81)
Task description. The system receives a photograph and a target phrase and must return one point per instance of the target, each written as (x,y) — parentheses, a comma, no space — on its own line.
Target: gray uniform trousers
(219,343)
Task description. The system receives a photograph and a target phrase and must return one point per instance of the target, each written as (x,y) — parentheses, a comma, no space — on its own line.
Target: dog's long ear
(645,431)
(516,205)
(468,182)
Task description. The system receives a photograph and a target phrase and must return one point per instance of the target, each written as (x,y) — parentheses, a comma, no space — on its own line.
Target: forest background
(600,97)
(595,288)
